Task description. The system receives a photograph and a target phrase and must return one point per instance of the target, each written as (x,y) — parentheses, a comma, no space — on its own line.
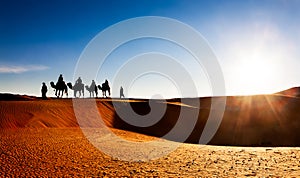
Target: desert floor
(43,138)
(58,152)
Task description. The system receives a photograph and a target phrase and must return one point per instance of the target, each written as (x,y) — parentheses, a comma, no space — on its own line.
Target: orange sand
(42,138)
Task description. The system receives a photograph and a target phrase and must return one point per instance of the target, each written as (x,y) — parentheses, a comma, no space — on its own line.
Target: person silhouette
(79,81)
(93,88)
(96,90)
(122,92)
(93,84)
(60,79)
(44,91)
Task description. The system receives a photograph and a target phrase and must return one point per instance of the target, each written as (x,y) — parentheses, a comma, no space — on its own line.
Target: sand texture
(66,152)
(45,138)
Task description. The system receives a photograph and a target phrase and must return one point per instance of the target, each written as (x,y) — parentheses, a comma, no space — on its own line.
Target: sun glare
(257,55)
(256,75)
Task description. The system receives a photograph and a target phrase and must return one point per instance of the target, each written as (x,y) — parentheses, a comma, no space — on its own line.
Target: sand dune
(261,120)
(43,138)
(293,92)
(37,114)
(14,97)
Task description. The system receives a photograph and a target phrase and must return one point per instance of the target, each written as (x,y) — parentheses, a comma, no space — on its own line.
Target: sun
(256,75)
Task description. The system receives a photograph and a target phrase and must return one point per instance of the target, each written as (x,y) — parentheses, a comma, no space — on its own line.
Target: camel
(78,87)
(92,90)
(60,87)
(105,87)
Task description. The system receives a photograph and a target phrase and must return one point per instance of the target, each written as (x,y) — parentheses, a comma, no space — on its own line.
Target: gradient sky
(256,42)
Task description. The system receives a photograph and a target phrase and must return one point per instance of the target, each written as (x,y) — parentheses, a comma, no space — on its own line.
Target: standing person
(122,92)
(96,89)
(44,91)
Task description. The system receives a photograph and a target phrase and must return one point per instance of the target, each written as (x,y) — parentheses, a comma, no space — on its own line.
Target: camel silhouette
(105,87)
(78,87)
(61,87)
(92,90)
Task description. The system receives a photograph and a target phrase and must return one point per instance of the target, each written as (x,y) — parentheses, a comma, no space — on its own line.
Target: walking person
(122,92)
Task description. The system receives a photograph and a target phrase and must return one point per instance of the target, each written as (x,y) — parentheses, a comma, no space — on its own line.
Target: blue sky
(256,42)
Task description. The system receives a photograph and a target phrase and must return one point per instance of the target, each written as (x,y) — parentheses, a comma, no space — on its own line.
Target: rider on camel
(93,85)
(79,81)
(60,79)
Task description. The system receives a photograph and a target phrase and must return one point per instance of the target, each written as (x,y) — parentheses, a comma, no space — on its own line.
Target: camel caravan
(61,88)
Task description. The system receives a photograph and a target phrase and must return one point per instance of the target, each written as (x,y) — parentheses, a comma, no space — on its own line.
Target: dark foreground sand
(58,152)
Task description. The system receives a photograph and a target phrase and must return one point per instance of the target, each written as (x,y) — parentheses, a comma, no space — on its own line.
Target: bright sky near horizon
(256,42)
